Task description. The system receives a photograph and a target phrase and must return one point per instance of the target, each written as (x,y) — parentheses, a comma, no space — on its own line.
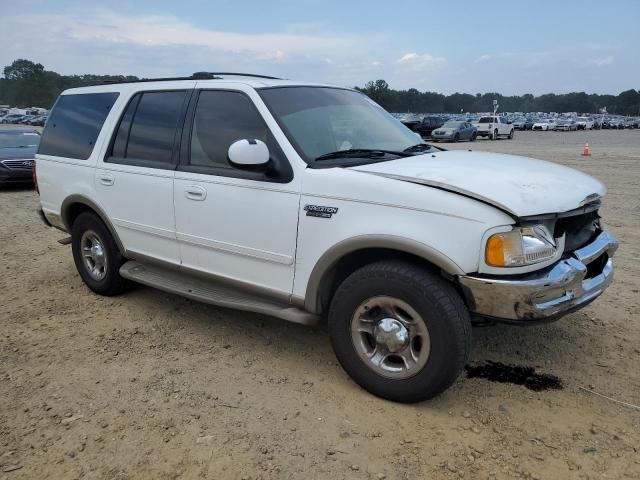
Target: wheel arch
(74,205)
(345,257)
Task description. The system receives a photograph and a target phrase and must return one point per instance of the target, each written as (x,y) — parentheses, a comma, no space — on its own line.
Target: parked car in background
(494,127)
(37,120)
(12,118)
(584,123)
(566,124)
(544,124)
(411,121)
(454,131)
(26,118)
(523,124)
(424,125)
(17,153)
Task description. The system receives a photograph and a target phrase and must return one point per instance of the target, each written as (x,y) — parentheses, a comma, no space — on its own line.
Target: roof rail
(195,76)
(254,75)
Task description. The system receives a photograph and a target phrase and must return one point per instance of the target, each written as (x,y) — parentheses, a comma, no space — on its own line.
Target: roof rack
(195,76)
(254,75)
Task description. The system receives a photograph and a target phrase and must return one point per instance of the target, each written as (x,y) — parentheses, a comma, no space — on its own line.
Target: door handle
(106,179)
(194,192)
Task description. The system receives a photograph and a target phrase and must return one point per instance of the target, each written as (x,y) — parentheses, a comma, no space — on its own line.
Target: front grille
(579,230)
(19,163)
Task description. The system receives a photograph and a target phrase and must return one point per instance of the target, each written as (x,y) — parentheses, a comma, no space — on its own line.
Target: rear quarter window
(75,123)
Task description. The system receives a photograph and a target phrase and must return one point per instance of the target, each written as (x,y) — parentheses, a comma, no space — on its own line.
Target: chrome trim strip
(139,227)
(235,249)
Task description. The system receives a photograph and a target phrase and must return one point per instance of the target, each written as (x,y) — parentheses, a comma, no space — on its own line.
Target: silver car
(454,131)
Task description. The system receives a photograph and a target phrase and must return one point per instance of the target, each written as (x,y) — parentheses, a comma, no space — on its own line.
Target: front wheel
(494,135)
(400,331)
(511,133)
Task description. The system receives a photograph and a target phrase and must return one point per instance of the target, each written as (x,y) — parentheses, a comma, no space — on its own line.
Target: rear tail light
(34,174)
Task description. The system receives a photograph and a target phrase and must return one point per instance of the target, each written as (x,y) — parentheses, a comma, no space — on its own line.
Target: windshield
(320,120)
(452,124)
(19,139)
(487,120)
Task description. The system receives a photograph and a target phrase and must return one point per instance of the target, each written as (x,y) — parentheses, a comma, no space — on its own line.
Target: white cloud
(164,31)
(483,58)
(600,61)
(424,61)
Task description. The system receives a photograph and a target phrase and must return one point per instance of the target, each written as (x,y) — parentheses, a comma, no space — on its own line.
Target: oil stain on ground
(526,376)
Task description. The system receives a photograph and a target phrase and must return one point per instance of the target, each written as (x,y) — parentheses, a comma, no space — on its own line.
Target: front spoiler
(544,296)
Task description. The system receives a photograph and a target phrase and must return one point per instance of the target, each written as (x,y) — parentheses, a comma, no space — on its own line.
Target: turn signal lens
(495,251)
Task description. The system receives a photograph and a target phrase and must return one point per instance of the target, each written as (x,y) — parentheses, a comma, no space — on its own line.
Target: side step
(196,288)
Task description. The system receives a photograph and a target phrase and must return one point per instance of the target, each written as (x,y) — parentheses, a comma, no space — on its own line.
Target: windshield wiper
(418,147)
(361,153)
(421,147)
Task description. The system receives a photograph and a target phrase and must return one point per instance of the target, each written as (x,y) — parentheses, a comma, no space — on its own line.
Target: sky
(446,46)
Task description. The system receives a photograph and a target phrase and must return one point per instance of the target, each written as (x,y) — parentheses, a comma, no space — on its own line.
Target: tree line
(412,100)
(28,84)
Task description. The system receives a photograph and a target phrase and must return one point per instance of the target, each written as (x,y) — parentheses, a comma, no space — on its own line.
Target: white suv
(494,128)
(307,201)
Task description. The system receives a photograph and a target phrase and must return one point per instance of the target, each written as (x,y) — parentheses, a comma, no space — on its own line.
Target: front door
(236,224)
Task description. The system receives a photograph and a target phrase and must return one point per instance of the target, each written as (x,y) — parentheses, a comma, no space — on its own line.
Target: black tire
(494,135)
(111,283)
(511,134)
(438,304)
(456,138)
(473,137)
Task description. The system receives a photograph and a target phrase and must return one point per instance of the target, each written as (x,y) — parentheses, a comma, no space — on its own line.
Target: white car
(546,124)
(494,127)
(584,123)
(309,202)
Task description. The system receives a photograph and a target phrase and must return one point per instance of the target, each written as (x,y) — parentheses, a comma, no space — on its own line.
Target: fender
(364,242)
(65,211)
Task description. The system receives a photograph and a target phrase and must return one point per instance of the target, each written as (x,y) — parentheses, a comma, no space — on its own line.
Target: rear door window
(75,123)
(147,130)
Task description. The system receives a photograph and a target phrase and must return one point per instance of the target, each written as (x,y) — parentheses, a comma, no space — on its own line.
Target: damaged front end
(583,272)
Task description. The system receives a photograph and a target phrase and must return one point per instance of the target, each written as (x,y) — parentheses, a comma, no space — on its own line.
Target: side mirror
(248,152)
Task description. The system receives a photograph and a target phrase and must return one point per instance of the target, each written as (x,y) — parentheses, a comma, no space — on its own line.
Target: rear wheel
(511,133)
(494,135)
(473,137)
(96,255)
(400,331)
(456,138)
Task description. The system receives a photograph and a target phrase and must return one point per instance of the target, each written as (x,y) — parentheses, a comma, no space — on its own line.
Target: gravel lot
(150,385)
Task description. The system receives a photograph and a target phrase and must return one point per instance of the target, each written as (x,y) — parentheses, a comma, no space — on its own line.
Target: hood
(518,185)
(11,153)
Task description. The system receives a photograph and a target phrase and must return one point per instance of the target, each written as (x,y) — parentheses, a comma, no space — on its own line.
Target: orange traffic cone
(586,152)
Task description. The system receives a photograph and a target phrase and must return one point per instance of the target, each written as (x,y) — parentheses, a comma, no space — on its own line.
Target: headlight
(521,246)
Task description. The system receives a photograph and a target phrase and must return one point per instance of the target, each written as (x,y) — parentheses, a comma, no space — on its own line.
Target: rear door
(134,181)
(239,225)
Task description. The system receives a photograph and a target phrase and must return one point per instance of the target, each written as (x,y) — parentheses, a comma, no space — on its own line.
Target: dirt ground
(150,385)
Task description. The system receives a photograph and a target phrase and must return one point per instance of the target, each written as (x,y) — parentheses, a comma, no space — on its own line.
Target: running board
(196,288)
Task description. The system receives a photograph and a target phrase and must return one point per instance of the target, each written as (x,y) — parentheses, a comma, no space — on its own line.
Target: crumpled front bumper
(568,285)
